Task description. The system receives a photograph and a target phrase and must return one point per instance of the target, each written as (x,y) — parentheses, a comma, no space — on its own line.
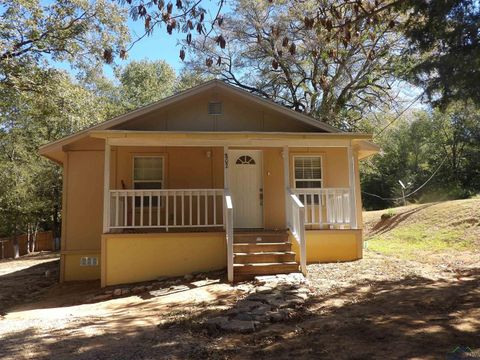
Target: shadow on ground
(414,317)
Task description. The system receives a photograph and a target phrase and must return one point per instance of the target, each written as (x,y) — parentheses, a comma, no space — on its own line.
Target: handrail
(296,224)
(326,206)
(229,232)
(165,208)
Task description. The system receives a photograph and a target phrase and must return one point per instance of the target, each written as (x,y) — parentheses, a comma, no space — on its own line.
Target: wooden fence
(44,243)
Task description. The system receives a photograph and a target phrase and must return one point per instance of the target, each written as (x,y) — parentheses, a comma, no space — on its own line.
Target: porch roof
(360,141)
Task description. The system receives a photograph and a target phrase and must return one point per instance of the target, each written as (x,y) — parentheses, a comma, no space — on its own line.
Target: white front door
(245,183)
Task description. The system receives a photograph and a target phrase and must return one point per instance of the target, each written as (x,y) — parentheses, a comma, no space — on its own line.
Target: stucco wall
(331,245)
(130,258)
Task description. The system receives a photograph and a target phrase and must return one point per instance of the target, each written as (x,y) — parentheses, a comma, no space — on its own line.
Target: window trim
(162,181)
(322,179)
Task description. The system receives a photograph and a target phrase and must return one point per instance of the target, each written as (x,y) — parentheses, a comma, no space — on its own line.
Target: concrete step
(260,237)
(263,257)
(265,268)
(261,247)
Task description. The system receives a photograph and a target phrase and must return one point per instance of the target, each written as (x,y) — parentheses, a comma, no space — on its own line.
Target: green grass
(408,241)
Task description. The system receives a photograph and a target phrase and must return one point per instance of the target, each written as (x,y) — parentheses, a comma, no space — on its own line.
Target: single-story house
(210,178)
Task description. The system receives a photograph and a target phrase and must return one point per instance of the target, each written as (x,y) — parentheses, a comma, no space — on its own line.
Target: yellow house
(213,177)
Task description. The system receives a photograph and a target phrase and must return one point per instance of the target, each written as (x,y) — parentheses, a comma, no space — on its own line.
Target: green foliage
(414,148)
(77,32)
(144,82)
(444,39)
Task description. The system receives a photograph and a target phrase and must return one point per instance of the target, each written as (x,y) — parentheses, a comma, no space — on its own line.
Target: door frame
(231,160)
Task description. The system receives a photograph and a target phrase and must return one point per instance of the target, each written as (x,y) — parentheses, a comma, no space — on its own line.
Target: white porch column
(106,188)
(225,167)
(286,179)
(351,183)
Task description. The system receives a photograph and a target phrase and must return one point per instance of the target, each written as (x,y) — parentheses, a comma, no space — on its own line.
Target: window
(214,108)
(308,172)
(245,160)
(148,172)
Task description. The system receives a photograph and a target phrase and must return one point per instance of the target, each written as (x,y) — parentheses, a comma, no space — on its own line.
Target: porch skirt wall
(129,258)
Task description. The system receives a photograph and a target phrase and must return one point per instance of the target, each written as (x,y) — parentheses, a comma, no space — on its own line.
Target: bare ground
(376,308)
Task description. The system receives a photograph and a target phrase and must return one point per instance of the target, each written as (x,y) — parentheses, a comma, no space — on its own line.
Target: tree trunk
(34,238)
(29,237)
(16,247)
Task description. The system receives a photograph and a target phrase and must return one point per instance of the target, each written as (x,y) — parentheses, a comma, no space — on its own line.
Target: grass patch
(407,241)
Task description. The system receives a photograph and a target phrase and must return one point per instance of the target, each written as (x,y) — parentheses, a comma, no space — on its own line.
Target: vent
(89,261)
(214,108)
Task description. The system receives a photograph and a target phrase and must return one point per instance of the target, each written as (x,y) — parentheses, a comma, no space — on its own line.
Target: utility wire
(399,114)
(413,192)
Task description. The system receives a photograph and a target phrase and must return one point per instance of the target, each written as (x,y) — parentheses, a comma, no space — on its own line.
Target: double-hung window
(148,173)
(308,175)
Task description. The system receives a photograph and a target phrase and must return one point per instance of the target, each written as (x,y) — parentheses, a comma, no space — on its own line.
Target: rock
(188,277)
(276,316)
(179,288)
(216,322)
(149,287)
(303,296)
(250,303)
(240,326)
(262,280)
(138,289)
(244,316)
(117,292)
(263,289)
(108,292)
(261,310)
(102,297)
(162,278)
(125,291)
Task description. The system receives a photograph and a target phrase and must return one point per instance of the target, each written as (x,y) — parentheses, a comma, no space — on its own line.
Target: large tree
(82,33)
(325,63)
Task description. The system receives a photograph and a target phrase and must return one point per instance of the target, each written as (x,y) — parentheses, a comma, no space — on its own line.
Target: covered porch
(139,199)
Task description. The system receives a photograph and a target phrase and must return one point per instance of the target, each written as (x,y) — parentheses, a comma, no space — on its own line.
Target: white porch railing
(166,208)
(296,225)
(229,233)
(325,206)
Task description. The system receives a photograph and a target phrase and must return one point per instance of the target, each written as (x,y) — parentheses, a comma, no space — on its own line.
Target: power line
(400,114)
(413,192)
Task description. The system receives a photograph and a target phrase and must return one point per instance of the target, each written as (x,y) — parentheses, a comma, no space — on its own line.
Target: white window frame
(321,171)
(161,181)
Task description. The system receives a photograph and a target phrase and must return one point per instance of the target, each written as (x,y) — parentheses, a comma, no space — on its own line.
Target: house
(210,178)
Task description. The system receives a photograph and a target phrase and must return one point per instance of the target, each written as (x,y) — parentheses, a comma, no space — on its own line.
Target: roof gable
(272,113)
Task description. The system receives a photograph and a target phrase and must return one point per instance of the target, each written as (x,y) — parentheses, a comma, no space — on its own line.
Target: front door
(245,183)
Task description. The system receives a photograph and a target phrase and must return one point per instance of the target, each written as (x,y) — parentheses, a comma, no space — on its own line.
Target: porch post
(106,188)
(286,179)
(351,183)
(225,167)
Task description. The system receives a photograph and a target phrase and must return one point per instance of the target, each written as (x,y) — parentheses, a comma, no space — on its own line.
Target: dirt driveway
(376,308)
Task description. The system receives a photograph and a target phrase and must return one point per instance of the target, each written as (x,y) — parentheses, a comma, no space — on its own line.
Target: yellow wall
(331,245)
(128,258)
(72,270)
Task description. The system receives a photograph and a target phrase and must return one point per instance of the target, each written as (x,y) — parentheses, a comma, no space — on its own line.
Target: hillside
(428,229)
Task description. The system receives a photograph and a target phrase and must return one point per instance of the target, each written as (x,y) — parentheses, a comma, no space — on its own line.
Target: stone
(240,326)
(216,322)
(162,278)
(262,280)
(261,310)
(263,289)
(276,316)
(125,291)
(138,289)
(179,288)
(117,292)
(188,277)
(244,316)
(250,303)
(303,296)
(149,287)
(102,297)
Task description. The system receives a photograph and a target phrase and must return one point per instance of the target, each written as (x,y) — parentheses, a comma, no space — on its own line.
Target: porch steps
(262,253)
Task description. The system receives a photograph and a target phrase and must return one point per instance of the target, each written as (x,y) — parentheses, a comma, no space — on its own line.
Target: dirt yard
(378,308)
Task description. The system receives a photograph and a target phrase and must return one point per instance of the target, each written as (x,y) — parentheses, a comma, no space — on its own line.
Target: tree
(30,190)
(144,82)
(443,143)
(444,38)
(318,62)
(81,33)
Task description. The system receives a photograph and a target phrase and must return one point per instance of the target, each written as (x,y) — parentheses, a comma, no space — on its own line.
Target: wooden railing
(325,206)
(166,208)
(296,225)
(229,232)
